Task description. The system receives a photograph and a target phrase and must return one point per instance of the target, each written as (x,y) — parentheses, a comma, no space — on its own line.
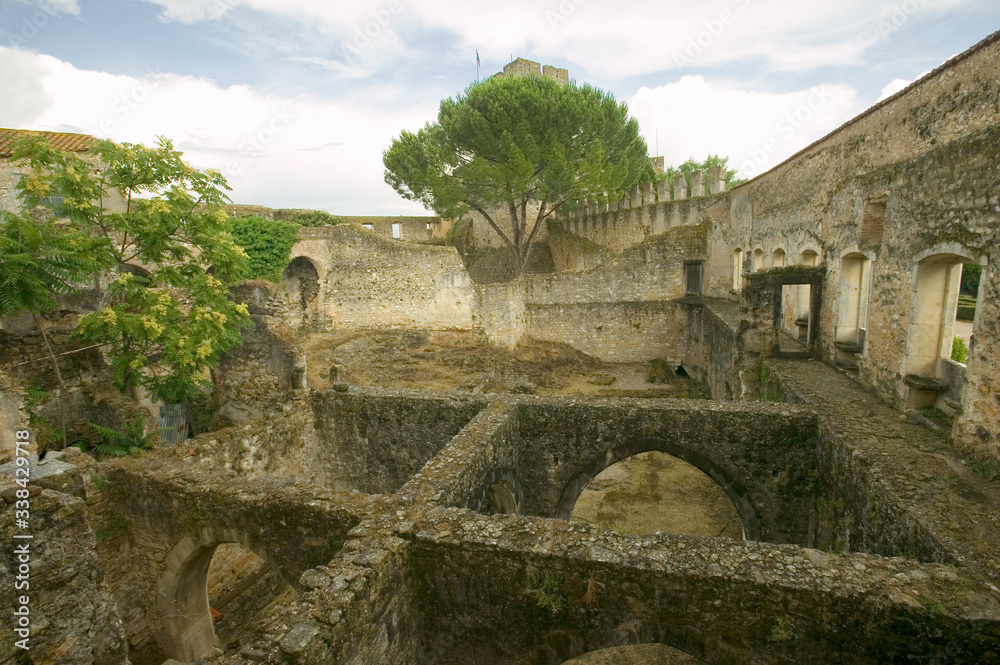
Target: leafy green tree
(267,244)
(38,261)
(971,274)
(692,165)
(159,223)
(519,148)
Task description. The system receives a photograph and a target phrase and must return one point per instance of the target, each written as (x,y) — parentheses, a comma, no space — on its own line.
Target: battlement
(645,210)
(523,67)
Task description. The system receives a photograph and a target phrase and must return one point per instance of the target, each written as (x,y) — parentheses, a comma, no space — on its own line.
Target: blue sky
(295,100)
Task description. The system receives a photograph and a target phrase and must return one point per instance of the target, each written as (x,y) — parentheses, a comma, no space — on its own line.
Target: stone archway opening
(653,491)
(186,602)
(500,500)
(500,494)
(301,281)
(240,586)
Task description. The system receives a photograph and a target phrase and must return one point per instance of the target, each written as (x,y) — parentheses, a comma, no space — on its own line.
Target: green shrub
(966,308)
(266,242)
(314,218)
(959,351)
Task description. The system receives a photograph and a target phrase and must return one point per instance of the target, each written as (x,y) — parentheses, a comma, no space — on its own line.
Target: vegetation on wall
(517,149)
(959,351)
(691,165)
(267,244)
(314,218)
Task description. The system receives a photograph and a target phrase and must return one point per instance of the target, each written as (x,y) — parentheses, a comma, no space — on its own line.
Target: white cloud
(756,130)
(282,152)
(892,87)
(616,39)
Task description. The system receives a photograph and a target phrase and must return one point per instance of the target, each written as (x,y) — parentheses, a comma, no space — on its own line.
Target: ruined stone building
(817,302)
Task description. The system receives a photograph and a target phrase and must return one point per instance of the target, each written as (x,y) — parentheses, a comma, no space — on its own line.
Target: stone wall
(72,615)
(375,440)
(366,281)
(613,332)
(542,593)
(910,180)
(618,311)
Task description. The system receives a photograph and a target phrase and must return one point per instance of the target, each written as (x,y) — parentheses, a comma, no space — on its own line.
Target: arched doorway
(301,281)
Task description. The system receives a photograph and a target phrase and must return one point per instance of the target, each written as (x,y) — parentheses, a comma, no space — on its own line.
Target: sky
(294,101)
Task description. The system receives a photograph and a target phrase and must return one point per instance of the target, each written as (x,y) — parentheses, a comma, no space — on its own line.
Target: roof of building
(60,140)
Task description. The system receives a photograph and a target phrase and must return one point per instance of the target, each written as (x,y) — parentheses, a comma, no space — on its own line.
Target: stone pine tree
(517,149)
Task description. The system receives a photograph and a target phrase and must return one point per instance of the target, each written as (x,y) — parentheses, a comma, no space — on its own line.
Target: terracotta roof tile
(61,140)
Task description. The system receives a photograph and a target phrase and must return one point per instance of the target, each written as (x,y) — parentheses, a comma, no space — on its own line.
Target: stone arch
(301,279)
(187,630)
(778,258)
(758,260)
(810,256)
(500,493)
(750,516)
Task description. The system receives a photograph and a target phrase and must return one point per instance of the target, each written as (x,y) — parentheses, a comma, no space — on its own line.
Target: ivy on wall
(267,244)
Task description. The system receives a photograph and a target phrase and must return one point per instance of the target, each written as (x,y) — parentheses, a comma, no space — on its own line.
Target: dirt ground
(656,492)
(464,361)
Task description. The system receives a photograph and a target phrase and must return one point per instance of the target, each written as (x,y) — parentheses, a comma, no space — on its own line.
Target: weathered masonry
(449,553)
(431,528)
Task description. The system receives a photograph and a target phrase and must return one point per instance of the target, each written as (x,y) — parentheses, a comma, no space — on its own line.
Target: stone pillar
(680,187)
(663,190)
(635,197)
(603,204)
(716,180)
(648,194)
(697,184)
